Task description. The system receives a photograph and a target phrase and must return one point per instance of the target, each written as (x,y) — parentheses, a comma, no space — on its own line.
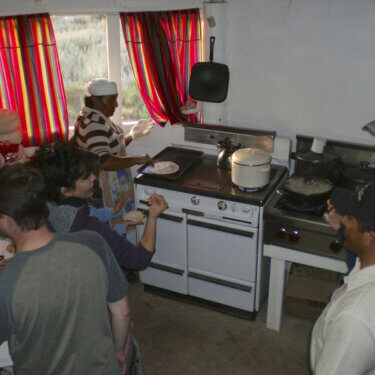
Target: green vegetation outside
(82,49)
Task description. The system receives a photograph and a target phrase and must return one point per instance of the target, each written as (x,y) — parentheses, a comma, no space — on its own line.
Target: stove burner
(247,190)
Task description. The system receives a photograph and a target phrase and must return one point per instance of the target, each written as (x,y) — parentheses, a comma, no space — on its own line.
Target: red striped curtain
(30,78)
(163,47)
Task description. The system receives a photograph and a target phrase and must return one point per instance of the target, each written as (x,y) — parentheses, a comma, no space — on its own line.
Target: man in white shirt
(343,338)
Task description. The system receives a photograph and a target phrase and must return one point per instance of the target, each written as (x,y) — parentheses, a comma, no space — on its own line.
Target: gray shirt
(53,306)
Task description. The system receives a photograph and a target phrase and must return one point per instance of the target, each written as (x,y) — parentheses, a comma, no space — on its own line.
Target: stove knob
(246,209)
(281,233)
(233,207)
(294,235)
(335,246)
(195,200)
(148,191)
(222,205)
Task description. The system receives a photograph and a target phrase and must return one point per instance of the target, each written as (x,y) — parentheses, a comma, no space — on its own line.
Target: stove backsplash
(212,134)
(351,153)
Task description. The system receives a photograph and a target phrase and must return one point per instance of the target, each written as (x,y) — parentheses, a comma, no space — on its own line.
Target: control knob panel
(292,235)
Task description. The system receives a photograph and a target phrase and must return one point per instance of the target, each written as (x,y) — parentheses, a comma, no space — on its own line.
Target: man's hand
(146,159)
(142,129)
(333,218)
(122,361)
(157,205)
(120,326)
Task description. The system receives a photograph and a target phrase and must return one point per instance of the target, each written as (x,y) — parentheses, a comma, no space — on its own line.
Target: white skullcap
(101,86)
(9,120)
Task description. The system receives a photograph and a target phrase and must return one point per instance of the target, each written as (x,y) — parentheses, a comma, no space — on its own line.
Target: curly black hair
(62,165)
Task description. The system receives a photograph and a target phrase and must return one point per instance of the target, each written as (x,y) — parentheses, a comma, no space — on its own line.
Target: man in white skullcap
(101,87)
(95,132)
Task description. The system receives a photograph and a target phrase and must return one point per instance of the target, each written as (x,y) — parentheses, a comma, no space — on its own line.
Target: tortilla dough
(133,216)
(164,167)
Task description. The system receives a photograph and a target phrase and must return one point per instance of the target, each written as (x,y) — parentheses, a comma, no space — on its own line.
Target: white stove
(209,240)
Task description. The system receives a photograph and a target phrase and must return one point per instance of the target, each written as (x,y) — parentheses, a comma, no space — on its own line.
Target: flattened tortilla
(164,167)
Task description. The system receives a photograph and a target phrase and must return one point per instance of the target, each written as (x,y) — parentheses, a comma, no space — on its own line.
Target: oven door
(222,261)
(168,268)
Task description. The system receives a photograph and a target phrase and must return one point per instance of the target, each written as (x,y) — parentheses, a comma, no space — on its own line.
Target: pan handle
(212,43)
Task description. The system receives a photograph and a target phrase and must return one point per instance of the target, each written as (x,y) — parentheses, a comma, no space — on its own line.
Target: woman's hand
(133,218)
(157,205)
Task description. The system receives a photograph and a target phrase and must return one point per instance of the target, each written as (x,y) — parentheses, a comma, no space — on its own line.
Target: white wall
(296,66)
(303,66)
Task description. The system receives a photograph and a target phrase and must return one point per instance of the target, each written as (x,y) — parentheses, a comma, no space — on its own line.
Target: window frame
(113,35)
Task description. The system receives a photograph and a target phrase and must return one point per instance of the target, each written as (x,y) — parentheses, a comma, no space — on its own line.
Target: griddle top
(205,178)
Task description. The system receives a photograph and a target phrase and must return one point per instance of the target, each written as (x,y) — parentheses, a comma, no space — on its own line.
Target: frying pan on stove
(313,192)
(209,80)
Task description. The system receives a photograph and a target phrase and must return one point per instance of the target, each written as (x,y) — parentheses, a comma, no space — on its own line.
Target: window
(133,107)
(82,46)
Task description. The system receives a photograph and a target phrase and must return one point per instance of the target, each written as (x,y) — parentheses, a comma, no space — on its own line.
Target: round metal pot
(311,193)
(251,168)
(323,165)
(357,177)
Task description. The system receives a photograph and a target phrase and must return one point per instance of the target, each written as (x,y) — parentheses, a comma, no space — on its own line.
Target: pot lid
(312,187)
(315,158)
(251,156)
(359,175)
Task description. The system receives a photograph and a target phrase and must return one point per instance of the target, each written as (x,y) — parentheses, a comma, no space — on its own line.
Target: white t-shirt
(343,338)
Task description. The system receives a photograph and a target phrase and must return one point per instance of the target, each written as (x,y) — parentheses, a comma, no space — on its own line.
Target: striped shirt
(96,133)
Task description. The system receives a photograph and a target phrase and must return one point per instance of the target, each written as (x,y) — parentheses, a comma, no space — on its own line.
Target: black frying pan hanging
(209,80)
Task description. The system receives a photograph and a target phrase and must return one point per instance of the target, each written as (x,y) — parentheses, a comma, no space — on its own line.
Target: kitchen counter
(281,258)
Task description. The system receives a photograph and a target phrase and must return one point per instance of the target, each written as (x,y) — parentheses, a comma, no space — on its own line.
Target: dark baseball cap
(359,204)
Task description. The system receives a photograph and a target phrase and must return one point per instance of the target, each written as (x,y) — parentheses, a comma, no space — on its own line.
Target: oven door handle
(166,268)
(215,280)
(221,228)
(192,212)
(177,219)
